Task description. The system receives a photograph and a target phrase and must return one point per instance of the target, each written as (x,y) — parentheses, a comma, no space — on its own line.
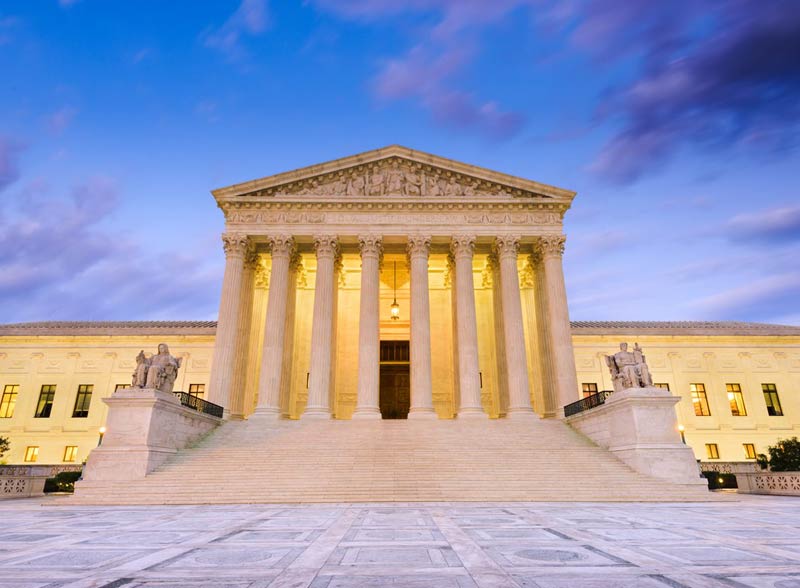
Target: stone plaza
(748,541)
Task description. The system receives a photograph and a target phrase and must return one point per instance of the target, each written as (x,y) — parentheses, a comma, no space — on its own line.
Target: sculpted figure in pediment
(452,188)
(394,182)
(413,185)
(433,186)
(376,183)
(356,186)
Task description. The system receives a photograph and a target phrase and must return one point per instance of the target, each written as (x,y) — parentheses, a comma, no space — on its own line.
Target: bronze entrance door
(395,383)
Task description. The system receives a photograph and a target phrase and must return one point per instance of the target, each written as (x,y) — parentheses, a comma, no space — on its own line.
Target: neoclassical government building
(396,284)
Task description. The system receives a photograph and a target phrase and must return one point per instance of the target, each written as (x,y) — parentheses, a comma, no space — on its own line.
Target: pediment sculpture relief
(394,177)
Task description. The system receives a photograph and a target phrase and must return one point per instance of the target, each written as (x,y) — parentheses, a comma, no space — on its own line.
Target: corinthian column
(237,392)
(462,247)
(269,385)
(319,384)
(550,248)
(369,329)
(223,364)
(519,392)
(421,393)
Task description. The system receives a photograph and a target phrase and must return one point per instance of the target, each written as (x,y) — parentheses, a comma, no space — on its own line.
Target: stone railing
(780,483)
(730,467)
(22,481)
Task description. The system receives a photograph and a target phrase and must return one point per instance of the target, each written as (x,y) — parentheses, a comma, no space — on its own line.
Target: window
(749,450)
(197,390)
(662,386)
(770,397)
(736,399)
(121,387)
(45,404)
(70,452)
(712,451)
(9,401)
(32,453)
(589,389)
(699,400)
(82,401)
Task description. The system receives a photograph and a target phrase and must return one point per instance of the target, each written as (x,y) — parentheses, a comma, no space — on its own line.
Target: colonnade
(554,343)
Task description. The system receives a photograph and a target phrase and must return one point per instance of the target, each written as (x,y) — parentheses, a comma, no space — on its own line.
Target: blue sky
(677,123)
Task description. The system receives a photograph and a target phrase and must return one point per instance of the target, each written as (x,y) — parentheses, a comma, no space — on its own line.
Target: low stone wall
(145,427)
(22,481)
(777,483)
(639,426)
(730,467)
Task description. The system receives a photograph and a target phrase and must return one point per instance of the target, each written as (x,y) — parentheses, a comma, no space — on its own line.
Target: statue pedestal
(639,426)
(144,428)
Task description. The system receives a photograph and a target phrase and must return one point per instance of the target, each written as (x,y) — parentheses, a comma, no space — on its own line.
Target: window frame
(712,451)
(31,454)
(84,391)
(198,391)
(45,402)
(699,401)
(118,387)
(662,385)
(68,453)
(747,447)
(736,400)
(8,401)
(590,391)
(771,399)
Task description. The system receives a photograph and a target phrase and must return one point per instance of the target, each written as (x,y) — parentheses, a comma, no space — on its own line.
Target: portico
(310,277)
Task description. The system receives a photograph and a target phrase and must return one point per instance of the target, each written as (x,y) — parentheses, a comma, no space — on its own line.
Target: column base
(422,414)
(519,414)
(367,414)
(472,413)
(265,414)
(317,413)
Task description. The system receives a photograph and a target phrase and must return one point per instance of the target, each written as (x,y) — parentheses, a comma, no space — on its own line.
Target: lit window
(32,453)
(589,389)
(770,397)
(749,450)
(662,386)
(699,400)
(121,387)
(9,401)
(45,404)
(70,452)
(712,451)
(736,399)
(82,401)
(197,390)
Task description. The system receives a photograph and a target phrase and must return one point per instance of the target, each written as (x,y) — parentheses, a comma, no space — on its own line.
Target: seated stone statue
(158,372)
(629,369)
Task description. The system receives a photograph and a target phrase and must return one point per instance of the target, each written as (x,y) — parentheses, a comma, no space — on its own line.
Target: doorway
(395,380)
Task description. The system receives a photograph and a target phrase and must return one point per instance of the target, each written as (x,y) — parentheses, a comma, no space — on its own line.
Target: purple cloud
(773,226)
(250,18)
(9,161)
(759,299)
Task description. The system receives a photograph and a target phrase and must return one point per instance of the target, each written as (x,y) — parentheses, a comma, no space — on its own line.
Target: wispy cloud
(772,226)
(758,299)
(58,121)
(251,18)
(9,161)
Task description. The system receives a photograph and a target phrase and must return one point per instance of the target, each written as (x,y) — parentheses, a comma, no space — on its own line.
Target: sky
(676,122)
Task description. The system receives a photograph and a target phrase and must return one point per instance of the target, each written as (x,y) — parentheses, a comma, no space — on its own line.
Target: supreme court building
(372,304)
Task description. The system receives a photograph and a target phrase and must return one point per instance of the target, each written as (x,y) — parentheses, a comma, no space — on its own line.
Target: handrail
(592,401)
(198,404)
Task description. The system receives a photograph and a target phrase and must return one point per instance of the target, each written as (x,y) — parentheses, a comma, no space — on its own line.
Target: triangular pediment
(392,172)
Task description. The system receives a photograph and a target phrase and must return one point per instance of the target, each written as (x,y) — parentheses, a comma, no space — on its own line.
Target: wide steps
(390,461)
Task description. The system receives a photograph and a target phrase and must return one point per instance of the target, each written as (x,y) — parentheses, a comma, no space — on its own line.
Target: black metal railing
(595,399)
(200,405)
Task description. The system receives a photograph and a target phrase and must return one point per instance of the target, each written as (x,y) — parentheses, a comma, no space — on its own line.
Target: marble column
(236,246)
(420,345)
(499,333)
(462,247)
(269,385)
(369,345)
(295,267)
(544,353)
(238,386)
(519,391)
(564,377)
(319,384)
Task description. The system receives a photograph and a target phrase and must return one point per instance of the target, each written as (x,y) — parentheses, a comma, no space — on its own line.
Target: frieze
(395,176)
(371,218)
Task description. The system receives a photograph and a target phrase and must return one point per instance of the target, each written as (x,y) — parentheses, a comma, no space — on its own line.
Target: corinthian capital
(251,259)
(462,245)
(281,246)
(418,245)
(550,245)
(370,245)
(506,246)
(326,245)
(235,244)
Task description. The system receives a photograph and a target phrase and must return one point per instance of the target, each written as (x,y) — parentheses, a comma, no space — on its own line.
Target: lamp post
(102,432)
(395,312)
(683,437)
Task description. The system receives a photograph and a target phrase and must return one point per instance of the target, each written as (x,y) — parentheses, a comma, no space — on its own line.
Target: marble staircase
(390,461)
